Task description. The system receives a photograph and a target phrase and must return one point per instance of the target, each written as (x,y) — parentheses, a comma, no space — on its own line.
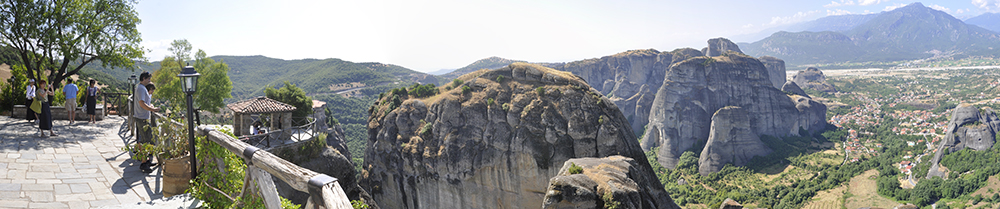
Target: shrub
(489,102)
(575,169)
(499,78)
(466,90)
(456,82)
(423,90)
(426,129)
(506,106)
(540,90)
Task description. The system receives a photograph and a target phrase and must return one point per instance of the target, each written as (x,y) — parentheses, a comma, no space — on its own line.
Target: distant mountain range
(907,33)
(990,21)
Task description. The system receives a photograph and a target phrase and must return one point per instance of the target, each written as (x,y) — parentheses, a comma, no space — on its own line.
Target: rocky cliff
(327,156)
(775,69)
(603,182)
(814,79)
(629,79)
(695,88)
(730,140)
(970,127)
(493,142)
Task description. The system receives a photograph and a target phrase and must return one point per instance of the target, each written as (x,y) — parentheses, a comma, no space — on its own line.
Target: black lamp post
(189,84)
(132,80)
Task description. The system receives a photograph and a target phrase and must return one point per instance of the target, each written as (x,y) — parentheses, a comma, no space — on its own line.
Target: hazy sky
(433,35)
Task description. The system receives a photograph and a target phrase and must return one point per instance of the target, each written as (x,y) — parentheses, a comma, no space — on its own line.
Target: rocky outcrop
(608,181)
(775,69)
(493,142)
(720,46)
(970,127)
(730,140)
(629,79)
(694,89)
(814,79)
(791,87)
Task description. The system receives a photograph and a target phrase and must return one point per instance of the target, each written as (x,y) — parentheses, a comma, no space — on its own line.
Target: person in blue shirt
(70,91)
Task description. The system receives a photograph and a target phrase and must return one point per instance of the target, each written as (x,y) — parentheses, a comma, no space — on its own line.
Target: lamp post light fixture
(189,84)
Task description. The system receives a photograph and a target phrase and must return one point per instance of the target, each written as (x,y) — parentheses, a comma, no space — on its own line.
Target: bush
(420,91)
(575,169)
(540,90)
(489,102)
(466,90)
(456,82)
(499,78)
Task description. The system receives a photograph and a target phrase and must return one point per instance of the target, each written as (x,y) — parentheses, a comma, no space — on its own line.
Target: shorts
(145,133)
(71,104)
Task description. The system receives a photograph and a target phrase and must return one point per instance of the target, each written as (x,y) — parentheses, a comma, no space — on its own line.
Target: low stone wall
(60,113)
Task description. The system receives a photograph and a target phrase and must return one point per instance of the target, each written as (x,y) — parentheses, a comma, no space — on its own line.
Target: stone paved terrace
(83,167)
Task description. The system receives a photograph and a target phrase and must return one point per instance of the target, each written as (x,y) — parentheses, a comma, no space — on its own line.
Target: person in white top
(30,94)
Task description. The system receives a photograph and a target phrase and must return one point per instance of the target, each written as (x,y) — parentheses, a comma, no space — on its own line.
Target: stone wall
(60,113)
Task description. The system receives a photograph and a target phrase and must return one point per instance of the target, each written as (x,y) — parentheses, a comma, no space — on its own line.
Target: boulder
(495,145)
(814,79)
(730,140)
(614,180)
(970,127)
(775,70)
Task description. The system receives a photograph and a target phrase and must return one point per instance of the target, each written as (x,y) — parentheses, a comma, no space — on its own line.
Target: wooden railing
(324,191)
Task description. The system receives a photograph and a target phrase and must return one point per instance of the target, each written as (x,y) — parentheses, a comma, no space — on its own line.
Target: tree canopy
(213,84)
(62,36)
(293,95)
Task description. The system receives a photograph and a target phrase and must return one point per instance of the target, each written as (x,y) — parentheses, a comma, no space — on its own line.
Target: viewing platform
(83,167)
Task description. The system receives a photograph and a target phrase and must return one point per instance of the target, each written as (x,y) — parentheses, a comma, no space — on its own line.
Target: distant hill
(488,63)
(440,72)
(907,33)
(837,23)
(990,21)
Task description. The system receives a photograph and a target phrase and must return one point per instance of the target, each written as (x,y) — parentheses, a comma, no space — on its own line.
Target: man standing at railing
(143,106)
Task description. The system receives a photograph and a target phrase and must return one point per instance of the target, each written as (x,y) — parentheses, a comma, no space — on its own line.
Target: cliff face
(694,89)
(775,69)
(621,180)
(969,128)
(730,140)
(813,79)
(629,79)
(495,145)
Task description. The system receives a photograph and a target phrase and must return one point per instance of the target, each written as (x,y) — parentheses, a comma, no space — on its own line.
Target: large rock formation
(731,140)
(608,181)
(694,89)
(720,46)
(629,79)
(813,79)
(970,128)
(775,69)
(493,142)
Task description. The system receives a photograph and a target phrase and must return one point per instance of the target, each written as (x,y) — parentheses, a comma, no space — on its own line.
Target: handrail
(325,191)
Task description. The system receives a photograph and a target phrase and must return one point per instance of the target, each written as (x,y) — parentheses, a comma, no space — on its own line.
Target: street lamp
(189,84)
(132,80)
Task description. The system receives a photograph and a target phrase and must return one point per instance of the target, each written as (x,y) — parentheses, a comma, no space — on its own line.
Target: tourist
(143,107)
(69,91)
(91,104)
(30,94)
(45,118)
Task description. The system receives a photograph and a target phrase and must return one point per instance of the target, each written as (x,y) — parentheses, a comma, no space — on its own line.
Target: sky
(433,35)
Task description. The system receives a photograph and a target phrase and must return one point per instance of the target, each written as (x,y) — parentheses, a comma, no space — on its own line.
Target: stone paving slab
(83,167)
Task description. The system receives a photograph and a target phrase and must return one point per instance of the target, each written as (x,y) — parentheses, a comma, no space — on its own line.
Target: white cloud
(157,49)
(837,12)
(960,11)
(748,25)
(841,3)
(988,5)
(870,2)
(797,17)
(941,8)
(893,7)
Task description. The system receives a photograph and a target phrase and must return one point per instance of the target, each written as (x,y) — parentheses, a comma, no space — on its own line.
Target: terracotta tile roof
(260,105)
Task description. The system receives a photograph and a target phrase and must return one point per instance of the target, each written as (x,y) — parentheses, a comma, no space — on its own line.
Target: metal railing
(307,131)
